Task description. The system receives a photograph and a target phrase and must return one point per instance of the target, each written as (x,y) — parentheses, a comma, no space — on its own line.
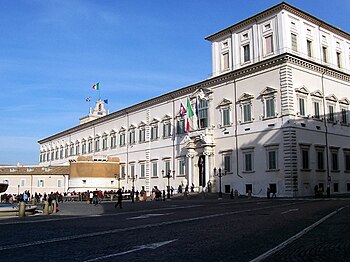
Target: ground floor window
(321,187)
(227,188)
(336,187)
(248,188)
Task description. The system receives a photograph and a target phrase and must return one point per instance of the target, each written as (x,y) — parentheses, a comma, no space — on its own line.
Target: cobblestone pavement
(330,241)
(193,229)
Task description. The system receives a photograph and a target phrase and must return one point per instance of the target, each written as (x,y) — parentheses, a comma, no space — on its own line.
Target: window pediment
(344,101)
(302,90)
(154,121)
(332,98)
(122,129)
(245,96)
(166,118)
(201,93)
(268,91)
(224,102)
(132,126)
(317,93)
(142,124)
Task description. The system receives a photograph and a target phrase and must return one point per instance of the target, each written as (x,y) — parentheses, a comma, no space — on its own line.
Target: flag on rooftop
(88,99)
(106,101)
(96,86)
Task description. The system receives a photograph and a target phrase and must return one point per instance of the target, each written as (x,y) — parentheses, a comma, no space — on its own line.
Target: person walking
(132,195)
(119,199)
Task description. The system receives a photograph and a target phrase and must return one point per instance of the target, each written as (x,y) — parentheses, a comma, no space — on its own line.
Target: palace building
(274,114)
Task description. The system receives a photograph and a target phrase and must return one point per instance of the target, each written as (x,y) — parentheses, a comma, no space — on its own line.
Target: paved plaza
(194,229)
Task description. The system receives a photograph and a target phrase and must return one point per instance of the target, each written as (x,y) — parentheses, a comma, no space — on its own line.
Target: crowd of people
(95,196)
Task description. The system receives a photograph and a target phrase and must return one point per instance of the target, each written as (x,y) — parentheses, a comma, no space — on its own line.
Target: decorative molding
(303,90)
(245,96)
(344,101)
(268,91)
(317,93)
(332,98)
(224,102)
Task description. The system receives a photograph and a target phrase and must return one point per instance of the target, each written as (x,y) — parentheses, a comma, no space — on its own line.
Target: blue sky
(53,51)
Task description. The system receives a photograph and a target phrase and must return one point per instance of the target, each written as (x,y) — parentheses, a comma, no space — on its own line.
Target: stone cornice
(274,10)
(188,90)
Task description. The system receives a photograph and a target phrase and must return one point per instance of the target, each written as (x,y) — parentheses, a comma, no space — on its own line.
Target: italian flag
(96,86)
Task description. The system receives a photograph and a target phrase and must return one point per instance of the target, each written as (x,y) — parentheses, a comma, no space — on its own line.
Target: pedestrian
(179,189)
(137,195)
(268,192)
(192,188)
(186,191)
(273,191)
(119,199)
(328,191)
(231,194)
(25,197)
(316,190)
(95,197)
(132,194)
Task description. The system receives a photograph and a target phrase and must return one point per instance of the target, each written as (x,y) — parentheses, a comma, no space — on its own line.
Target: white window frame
(122,138)
(344,115)
(268,43)
(331,115)
(182,166)
(142,170)
(244,105)
(273,113)
(97,144)
(154,168)
(154,131)
(245,153)
(292,38)
(166,129)
(41,183)
(113,140)
(269,151)
(302,105)
(227,161)
(334,152)
(142,134)
(104,142)
(132,136)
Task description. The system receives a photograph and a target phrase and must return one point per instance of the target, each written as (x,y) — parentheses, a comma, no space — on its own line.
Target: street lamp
(133,178)
(168,176)
(219,174)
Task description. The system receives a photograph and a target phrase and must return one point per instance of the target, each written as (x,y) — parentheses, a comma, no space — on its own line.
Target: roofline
(274,9)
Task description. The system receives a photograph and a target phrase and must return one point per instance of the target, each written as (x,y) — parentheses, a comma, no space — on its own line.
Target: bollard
(46,207)
(22,209)
(54,206)
(34,201)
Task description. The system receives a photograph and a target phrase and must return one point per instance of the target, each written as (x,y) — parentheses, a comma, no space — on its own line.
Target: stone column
(189,156)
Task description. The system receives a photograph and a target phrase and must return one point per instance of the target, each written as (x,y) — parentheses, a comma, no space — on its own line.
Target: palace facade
(274,114)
